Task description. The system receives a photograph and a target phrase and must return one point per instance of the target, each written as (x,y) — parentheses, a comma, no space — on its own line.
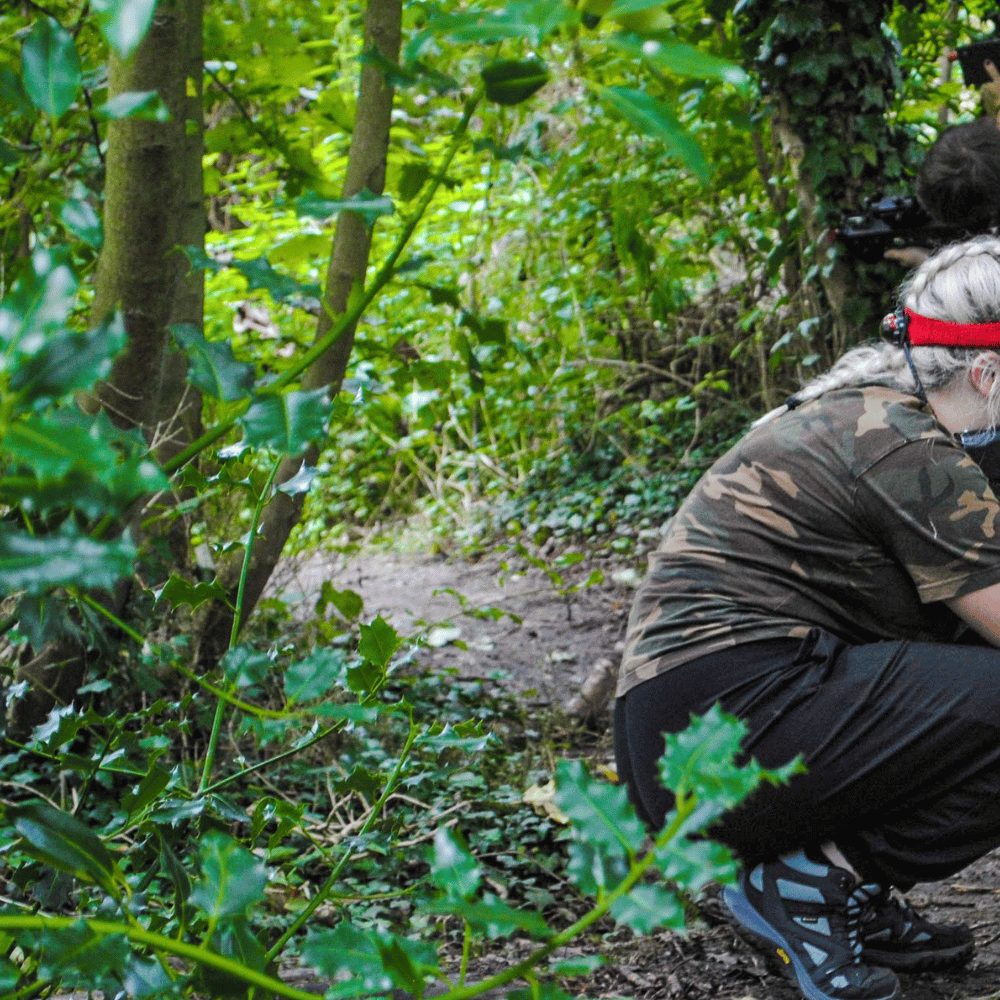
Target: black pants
(901,741)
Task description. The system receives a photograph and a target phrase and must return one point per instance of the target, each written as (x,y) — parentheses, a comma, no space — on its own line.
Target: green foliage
(586,277)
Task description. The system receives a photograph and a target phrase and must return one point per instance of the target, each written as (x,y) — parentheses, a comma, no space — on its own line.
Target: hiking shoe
(896,936)
(809,914)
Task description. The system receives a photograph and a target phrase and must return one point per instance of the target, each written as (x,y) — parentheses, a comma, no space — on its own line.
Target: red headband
(922,331)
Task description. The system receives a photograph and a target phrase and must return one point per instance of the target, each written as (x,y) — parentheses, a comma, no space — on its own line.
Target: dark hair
(959,181)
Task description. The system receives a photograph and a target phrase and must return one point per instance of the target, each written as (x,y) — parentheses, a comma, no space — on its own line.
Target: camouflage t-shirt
(855,512)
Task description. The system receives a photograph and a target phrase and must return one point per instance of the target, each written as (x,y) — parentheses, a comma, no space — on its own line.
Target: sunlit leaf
(50,67)
(453,868)
(139,105)
(124,23)
(653,118)
(369,206)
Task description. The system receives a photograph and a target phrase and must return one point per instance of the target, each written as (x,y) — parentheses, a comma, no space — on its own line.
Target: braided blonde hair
(959,284)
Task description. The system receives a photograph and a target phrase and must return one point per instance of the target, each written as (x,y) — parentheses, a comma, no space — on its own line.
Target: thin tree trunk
(152,203)
(348,264)
(139,267)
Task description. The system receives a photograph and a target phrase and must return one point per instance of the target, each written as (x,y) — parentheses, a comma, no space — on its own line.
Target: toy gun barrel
(892,221)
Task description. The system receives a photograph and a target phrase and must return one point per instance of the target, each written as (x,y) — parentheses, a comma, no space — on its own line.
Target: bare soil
(548,653)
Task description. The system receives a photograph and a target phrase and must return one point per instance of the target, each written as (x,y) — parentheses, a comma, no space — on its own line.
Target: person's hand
(990,91)
(908,256)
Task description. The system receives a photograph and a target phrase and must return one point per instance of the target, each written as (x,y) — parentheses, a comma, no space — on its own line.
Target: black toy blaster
(895,220)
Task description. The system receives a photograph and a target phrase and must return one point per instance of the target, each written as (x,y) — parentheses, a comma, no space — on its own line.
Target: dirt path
(515,625)
(550,651)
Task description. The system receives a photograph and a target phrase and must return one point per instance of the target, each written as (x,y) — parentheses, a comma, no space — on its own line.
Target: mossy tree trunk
(828,72)
(349,257)
(153,203)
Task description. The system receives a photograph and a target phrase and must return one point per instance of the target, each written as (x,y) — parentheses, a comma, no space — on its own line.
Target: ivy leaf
(286,422)
(601,813)
(647,907)
(36,564)
(453,868)
(124,23)
(213,367)
(232,879)
(177,591)
(61,840)
(653,118)
(366,204)
(312,677)
(50,67)
(378,642)
(511,81)
(139,105)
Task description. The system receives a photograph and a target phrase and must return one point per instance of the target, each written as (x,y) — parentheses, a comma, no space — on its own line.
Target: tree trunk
(139,267)
(827,71)
(153,202)
(348,264)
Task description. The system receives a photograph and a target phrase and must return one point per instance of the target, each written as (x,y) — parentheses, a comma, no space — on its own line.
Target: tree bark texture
(153,202)
(139,268)
(366,168)
(827,73)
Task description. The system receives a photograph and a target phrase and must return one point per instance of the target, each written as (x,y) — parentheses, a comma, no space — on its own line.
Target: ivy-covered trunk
(828,71)
(346,271)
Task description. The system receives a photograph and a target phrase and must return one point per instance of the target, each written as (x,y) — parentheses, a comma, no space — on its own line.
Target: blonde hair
(959,284)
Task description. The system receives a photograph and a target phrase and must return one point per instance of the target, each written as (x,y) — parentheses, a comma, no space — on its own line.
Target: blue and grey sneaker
(809,914)
(899,938)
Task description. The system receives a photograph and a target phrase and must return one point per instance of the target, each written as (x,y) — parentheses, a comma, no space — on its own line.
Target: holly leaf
(286,422)
(38,563)
(314,676)
(453,868)
(64,842)
(600,813)
(378,642)
(232,879)
(212,366)
(647,907)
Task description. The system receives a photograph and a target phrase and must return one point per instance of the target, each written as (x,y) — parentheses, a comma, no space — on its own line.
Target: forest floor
(543,646)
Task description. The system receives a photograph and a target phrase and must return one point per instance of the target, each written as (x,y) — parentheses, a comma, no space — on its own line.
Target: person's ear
(984,372)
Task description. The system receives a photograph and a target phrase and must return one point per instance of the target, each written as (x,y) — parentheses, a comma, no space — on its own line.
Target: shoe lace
(858,902)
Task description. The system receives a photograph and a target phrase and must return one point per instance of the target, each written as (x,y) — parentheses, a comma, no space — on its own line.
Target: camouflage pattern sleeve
(933,511)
